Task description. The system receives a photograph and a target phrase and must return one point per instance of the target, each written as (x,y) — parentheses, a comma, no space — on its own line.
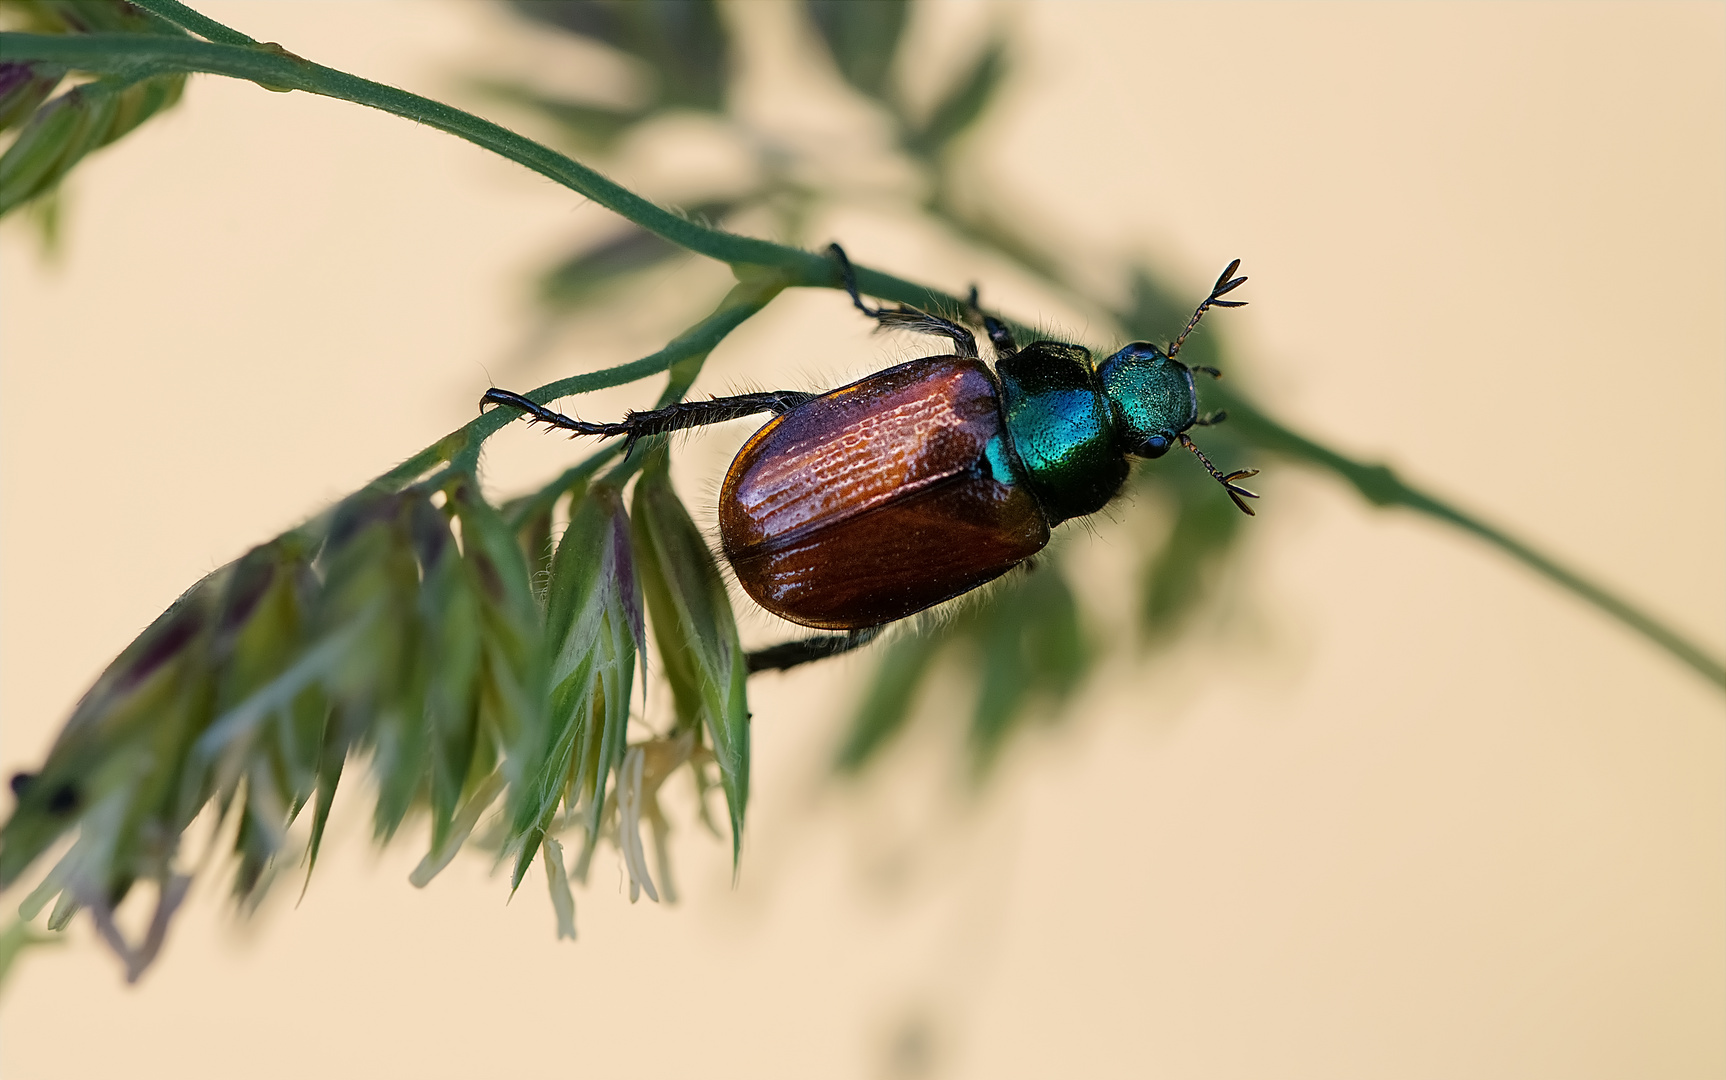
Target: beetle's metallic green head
(1152,397)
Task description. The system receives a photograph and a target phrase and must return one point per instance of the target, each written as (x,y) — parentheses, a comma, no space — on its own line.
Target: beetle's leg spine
(539,414)
(683,415)
(1225,284)
(792,654)
(1227,480)
(674,417)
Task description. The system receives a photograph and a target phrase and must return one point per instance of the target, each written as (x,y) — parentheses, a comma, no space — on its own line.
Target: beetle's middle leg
(792,654)
(678,416)
(1000,334)
(900,317)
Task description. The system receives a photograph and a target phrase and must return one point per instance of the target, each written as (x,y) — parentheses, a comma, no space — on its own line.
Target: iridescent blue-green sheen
(1152,394)
(1003,466)
(1062,429)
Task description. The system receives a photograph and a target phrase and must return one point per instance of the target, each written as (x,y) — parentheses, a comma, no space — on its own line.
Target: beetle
(857,507)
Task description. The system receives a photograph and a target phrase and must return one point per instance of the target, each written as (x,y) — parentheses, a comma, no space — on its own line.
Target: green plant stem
(142,55)
(202,25)
(1380,485)
(542,500)
(271,66)
(683,356)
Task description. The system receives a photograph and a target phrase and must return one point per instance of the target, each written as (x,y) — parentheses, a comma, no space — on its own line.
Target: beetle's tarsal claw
(1236,492)
(848,275)
(1212,419)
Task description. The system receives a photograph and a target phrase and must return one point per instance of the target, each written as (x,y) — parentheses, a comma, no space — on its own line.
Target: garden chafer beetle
(860,506)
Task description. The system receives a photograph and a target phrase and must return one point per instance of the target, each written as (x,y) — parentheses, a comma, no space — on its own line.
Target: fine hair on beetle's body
(887,497)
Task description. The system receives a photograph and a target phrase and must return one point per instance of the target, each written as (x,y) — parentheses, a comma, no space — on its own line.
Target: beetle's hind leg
(792,654)
(539,414)
(678,416)
(901,317)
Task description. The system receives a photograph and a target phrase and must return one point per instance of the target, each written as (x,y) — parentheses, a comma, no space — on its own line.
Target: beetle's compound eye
(1154,447)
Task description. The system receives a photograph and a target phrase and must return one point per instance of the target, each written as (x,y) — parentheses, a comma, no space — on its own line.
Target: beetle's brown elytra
(877,500)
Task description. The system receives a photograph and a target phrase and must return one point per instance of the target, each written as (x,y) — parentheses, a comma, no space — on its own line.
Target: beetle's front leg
(791,654)
(677,416)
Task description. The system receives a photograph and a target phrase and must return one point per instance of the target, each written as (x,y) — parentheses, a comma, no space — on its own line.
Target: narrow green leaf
(260,637)
(87,17)
(333,755)
(595,272)
(904,666)
(81,120)
(1033,649)
(533,532)
(697,635)
(562,899)
(24,86)
(964,103)
(19,938)
(437,743)
(685,44)
(135,710)
(64,908)
(485,792)
(262,833)
(512,672)
(1182,572)
(863,36)
(47,889)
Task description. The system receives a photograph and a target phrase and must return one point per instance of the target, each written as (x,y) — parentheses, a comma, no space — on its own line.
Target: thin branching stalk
(235,55)
(479,663)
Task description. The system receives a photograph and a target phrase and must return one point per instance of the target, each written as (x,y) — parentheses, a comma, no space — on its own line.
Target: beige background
(1407,812)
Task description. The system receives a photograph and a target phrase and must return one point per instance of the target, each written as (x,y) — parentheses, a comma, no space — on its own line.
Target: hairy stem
(271,66)
(1379,485)
(200,24)
(1376,483)
(683,356)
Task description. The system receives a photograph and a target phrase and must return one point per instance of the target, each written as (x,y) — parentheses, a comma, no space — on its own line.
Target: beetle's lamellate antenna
(1236,492)
(1223,286)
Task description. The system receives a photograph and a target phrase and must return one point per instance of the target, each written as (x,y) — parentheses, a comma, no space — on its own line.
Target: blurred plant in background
(1023,640)
(486,668)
